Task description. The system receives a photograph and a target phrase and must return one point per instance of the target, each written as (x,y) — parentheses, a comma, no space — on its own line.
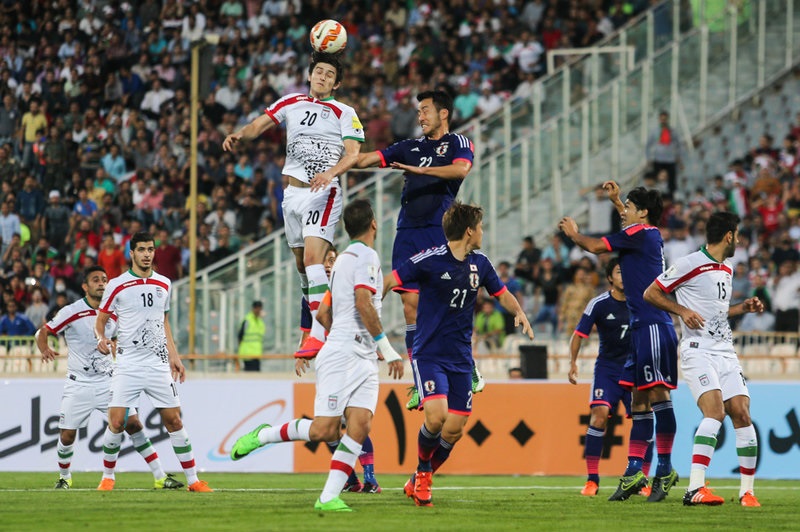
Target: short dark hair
(141,236)
(330,59)
(613,263)
(441,100)
(720,224)
(90,270)
(358,217)
(458,218)
(649,200)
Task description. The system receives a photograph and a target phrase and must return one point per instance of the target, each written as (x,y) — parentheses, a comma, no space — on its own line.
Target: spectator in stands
(490,328)
(664,150)
(515,288)
(785,297)
(30,205)
(9,225)
(558,252)
(765,321)
(33,123)
(14,323)
(574,299)
(167,259)
(56,220)
(37,309)
(548,284)
(527,264)
(111,257)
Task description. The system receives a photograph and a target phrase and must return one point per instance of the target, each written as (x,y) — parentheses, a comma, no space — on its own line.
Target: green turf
(245,502)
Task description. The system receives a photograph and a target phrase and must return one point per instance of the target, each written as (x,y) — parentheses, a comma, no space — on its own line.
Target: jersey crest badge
(326,112)
(704,380)
(473,280)
(473,267)
(441,149)
(159,292)
(333,401)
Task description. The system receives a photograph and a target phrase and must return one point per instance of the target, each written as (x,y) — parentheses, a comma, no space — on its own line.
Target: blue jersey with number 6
(448,288)
(425,199)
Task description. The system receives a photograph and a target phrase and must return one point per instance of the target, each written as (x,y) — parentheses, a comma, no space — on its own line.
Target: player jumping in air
(609,313)
(435,165)
(449,277)
(323,139)
(88,384)
(701,283)
(652,368)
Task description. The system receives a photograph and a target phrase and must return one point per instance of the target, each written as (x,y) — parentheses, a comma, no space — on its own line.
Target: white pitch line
(438,488)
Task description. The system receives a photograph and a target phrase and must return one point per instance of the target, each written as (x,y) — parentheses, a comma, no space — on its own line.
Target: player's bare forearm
(590,244)
(457,170)
(656,297)
(752,304)
(365,309)
(574,347)
(367,160)
(44,348)
(351,150)
(510,303)
(103,343)
(325,316)
(248,132)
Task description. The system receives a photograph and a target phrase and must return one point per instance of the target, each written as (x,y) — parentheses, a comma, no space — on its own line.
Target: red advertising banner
(521,428)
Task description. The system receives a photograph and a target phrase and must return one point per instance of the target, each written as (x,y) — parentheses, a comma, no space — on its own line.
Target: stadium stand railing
(586,122)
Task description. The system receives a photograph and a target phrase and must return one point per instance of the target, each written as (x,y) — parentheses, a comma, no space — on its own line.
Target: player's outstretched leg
(367,460)
(65,453)
(294,430)
(747,450)
(593,451)
(342,463)
(634,480)
(666,476)
(111,445)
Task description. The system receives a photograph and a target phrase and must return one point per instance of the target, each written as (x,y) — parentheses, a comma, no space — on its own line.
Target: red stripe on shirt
(366,287)
(708,267)
(272,116)
(383,159)
(76,316)
(469,163)
(128,284)
(582,335)
(328,207)
(284,103)
(607,243)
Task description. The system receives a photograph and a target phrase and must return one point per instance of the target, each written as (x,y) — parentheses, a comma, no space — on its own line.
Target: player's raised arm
(656,296)
(48,354)
(613,191)
(458,170)
(367,160)
(510,303)
(252,130)
(590,244)
(103,343)
(371,320)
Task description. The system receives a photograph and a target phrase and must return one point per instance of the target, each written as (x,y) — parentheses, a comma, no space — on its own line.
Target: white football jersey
(140,304)
(315,130)
(703,285)
(358,266)
(85,363)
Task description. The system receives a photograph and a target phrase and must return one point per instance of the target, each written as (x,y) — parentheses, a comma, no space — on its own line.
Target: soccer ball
(328,36)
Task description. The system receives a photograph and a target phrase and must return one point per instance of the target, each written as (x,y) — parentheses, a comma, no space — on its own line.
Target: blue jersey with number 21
(448,288)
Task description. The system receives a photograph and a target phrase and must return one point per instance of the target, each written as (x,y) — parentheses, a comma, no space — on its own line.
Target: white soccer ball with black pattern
(328,36)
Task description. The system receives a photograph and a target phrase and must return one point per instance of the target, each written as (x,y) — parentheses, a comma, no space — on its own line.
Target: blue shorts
(410,241)
(434,382)
(607,391)
(654,358)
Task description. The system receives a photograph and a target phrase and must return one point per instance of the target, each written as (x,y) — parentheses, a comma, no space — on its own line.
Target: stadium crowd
(94,122)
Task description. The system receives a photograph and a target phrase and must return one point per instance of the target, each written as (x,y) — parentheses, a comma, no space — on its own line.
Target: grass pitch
(245,502)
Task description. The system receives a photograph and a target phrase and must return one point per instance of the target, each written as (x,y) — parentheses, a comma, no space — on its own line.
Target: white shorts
(80,400)
(157,384)
(344,380)
(307,213)
(703,372)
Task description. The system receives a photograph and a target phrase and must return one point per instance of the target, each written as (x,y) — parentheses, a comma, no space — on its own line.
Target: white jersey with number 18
(140,304)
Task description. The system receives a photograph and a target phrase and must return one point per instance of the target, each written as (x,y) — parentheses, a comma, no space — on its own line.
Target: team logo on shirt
(441,149)
(326,112)
(332,402)
(473,280)
(703,380)
(430,386)
(159,292)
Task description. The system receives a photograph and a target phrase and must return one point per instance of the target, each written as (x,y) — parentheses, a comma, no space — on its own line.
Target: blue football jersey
(424,199)
(612,320)
(641,260)
(448,289)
